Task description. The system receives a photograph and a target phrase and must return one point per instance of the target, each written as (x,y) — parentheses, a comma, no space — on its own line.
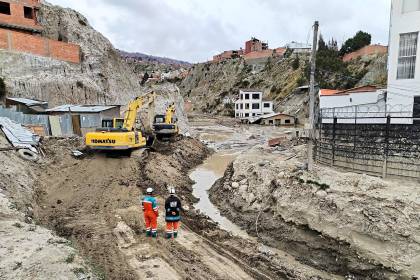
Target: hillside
(209,83)
(151,59)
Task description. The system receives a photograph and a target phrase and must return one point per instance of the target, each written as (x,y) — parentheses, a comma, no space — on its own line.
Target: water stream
(205,176)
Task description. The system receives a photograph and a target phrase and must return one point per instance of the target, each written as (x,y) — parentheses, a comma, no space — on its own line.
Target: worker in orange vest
(150,210)
(173,208)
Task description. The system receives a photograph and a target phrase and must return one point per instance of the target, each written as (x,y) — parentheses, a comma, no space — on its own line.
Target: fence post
(385,163)
(354,137)
(333,142)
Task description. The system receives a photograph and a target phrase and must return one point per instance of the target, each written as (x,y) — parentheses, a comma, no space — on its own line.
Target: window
(237,106)
(266,105)
(28,12)
(247,106)
(246,95)
(242,106)
(237,114)
(4,8)
(416,107)
(255,96)
(287,121)
(410,6)
(246,115)
(253,114)
(407,56)
(255,106)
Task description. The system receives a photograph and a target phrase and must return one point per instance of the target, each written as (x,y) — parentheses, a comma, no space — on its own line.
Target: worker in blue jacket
(173,208)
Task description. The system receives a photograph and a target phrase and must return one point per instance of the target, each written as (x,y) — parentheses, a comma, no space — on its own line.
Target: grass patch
(70,258)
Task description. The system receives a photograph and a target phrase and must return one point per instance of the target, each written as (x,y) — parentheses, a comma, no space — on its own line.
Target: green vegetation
(331,71)
(296,63)
(2,89)
(70,258)
(360,40)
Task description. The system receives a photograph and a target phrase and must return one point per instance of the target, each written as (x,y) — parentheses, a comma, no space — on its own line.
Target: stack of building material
(18,136)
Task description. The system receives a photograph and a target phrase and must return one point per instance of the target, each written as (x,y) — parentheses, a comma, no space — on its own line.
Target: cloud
(195,30)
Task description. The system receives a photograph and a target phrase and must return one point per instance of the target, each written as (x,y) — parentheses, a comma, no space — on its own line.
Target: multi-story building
(20,31)
(255,45)
(251,104)
(403,60)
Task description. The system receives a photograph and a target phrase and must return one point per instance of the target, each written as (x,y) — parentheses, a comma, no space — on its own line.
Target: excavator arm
(170,111)
(133,108)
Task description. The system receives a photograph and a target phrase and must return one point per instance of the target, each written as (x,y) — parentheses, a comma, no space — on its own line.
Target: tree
(296,63)
(360,40)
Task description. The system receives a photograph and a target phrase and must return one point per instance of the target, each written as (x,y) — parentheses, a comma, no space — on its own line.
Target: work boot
(148,233)
(168,235)
(154,234)
(175,234)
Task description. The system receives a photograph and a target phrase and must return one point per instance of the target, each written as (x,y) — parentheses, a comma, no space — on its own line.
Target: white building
(299,47)
(403,61)
(367,104)
(251,104)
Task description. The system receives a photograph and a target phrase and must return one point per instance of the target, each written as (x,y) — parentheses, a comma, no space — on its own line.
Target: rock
(321,194)
(235,185)
(243,189)
(244,182)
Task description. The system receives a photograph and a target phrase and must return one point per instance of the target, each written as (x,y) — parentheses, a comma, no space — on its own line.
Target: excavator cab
(165,126)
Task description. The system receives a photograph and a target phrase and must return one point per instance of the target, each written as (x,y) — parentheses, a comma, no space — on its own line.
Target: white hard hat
(171,190)
(149,190)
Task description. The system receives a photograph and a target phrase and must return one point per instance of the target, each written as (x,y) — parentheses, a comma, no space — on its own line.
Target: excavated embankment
(347,224)
(84,200)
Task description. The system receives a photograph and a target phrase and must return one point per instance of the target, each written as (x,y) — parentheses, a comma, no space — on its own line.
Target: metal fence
(54,125)
(379,143)
(18,117)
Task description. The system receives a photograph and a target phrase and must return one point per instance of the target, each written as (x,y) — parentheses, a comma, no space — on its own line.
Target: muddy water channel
(205,176)
(228,143)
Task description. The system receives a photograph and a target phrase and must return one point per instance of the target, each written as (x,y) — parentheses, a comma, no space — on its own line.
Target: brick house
(367,50)
(20,31)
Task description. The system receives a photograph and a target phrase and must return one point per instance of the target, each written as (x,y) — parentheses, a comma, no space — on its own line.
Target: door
(75,120)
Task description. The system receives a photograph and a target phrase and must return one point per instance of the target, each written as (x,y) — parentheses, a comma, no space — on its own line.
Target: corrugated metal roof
(81,108)
(26,101)
(267,116)
(19,136)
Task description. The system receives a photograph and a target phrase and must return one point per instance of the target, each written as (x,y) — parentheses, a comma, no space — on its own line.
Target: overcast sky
(195,30)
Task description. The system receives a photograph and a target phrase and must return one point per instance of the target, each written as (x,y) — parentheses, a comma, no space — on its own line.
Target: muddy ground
(68,218)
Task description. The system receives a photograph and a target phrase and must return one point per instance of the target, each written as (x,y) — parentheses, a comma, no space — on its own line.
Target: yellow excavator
(165,126)
(122,134)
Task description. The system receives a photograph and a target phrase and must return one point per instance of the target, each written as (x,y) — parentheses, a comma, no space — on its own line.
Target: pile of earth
(343,223)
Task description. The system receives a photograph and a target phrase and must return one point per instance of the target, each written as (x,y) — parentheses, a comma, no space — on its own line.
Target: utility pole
(312,99)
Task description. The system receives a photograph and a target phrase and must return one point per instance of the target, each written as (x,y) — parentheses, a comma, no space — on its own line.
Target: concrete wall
(351,99)
(37,45)
(401,92)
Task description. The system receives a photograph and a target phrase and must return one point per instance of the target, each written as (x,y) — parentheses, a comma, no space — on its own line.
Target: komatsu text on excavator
(122,134)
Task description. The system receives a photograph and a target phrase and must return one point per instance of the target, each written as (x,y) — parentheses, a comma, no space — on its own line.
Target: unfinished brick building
(20,31)
(255,45)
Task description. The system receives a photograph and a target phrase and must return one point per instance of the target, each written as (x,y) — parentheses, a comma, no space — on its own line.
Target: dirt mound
(347,224)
